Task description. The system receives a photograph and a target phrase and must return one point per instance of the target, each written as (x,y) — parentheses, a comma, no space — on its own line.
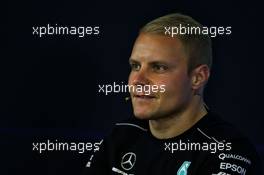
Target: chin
(142,116)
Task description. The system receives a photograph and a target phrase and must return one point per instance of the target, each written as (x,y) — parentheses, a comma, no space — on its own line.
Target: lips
(143,96)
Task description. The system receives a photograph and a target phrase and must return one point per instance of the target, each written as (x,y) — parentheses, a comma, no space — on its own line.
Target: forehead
(153,46)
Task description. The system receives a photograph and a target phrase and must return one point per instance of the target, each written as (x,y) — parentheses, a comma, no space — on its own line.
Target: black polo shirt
(211,146)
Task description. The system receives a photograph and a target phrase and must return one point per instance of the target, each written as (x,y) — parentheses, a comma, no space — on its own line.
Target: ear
(200,76)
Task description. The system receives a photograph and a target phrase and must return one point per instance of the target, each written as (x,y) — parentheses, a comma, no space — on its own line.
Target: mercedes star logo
(128,161)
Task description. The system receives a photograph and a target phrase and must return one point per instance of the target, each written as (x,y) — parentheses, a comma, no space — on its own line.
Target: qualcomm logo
(183,169)
(128,161)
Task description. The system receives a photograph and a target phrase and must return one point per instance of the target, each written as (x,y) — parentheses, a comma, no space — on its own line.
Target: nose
(139,77)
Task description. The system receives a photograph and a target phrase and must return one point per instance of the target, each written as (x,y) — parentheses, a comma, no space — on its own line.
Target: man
(173,132)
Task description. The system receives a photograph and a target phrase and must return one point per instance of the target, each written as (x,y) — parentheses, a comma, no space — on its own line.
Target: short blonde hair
(197,46)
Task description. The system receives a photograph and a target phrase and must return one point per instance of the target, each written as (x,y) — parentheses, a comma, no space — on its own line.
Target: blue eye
(159,68)
(135,66)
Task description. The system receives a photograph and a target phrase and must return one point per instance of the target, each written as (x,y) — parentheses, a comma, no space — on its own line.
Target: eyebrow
(131,60)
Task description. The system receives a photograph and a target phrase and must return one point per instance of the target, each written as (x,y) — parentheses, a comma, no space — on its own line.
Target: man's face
(159,60)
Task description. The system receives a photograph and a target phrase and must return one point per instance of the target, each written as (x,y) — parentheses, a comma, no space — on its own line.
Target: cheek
(175,86)
(130,79)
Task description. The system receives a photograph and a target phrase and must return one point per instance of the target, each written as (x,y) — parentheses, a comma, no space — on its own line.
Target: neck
(177,124)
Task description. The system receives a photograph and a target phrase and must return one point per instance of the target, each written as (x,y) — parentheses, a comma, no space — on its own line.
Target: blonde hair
(197,46)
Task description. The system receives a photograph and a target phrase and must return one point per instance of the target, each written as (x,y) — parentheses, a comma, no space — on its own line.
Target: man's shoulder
(220,131)
(234,148)
(215,126)
(215,129)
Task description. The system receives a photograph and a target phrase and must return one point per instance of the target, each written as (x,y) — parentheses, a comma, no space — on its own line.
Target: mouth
(144,97)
